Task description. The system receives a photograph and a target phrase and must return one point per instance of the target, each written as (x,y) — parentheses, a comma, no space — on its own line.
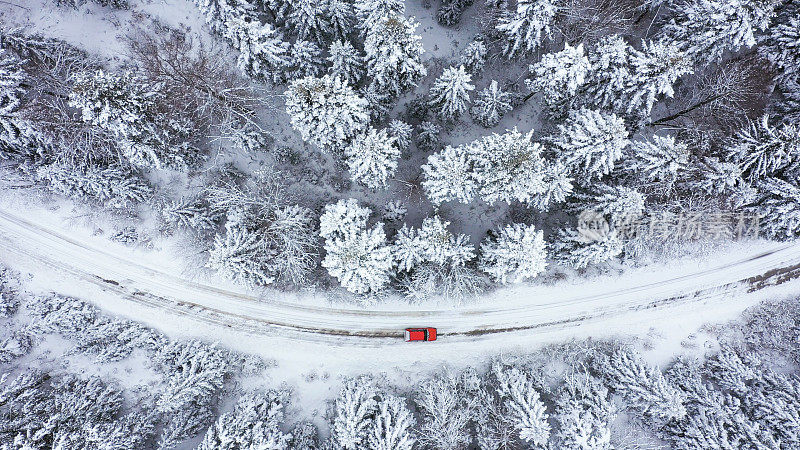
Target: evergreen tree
(354,414)
(591,142)
(305,60)
(401,133)
(763,150)
(491,105)
(370,12)
(473,58)
(706,29)
(526,28)
(255,422)
(621,204)
(559,75)
(585,414)
(114,186)
(778,207)
(516,253)
(309,19)
(341,15)
(345,61)
(428,135)
(372,158)
(661,159)
(447,404)
(450,93)
(579,251)
(523,405)
(781,45)
(393,54)
(558,186)
(644,388)
(326,111)
(448,176)
(263,54)
(240,255)
(358,257)
(393,425)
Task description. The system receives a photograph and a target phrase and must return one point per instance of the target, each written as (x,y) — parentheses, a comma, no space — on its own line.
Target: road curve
(150,287)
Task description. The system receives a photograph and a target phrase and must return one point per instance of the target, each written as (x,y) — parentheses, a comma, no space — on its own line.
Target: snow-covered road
(531,308)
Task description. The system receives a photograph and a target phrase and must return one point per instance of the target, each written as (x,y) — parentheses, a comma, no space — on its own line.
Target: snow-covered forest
(412,152)
(339,144)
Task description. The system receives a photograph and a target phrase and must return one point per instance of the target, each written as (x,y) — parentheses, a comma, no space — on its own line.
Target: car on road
(420,334)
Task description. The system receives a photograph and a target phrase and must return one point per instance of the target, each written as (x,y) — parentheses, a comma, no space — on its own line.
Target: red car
(420,334)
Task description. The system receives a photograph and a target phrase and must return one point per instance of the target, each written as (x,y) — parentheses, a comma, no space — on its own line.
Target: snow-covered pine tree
(263,54)
(781,45)
(507,167)
(527,26)
(514,254)
(11,78)
(304,437)
(491,105)
(372,158)
(661,159)
(370,12)
(354,414)
(558,186)
(326,111)
(394,54)
(573,248)
(306,60)
(392,428)
(449,176)
(585,413)
(644,388)
(778,208)
(449,94)
(401,132)
(763,150)
(342,16)
(523,404)
(559,75)
(346,62)
(590,143)
(309,19)
(706,29)
(621,204)
(196,372)
(447,404)
(358,257)
(242,254)
(440,246)
(473,57)
(192,213)
(654,70)
(428,135)
(113,186)
(255,422)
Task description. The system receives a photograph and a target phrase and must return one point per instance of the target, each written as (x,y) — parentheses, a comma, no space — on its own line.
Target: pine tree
(473,58)
(654,70)
(114,186)
(190,213)
(11,79)
(372,158)
(661,159)
(393,54)
(371,12)
(781,45)
(450,93)
(709,28)
(508,167)
(621,204)
(644,388)
(579,251)
(345,61)
(763,150)
(447,404)
(526,28)
(428,135)
(255,422)
(523,404)
(558,186)
(401,132)
(516,253)
(358,257)
(341,15)
(591,142)
(778,208)
(393,425)
(306,60)
(448,176)
(354,414)
(559,75)
(309,19)
(241,255)
(263,54)
(585,414)
(304,437)
(491,105)
(326,111)
(196,372)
